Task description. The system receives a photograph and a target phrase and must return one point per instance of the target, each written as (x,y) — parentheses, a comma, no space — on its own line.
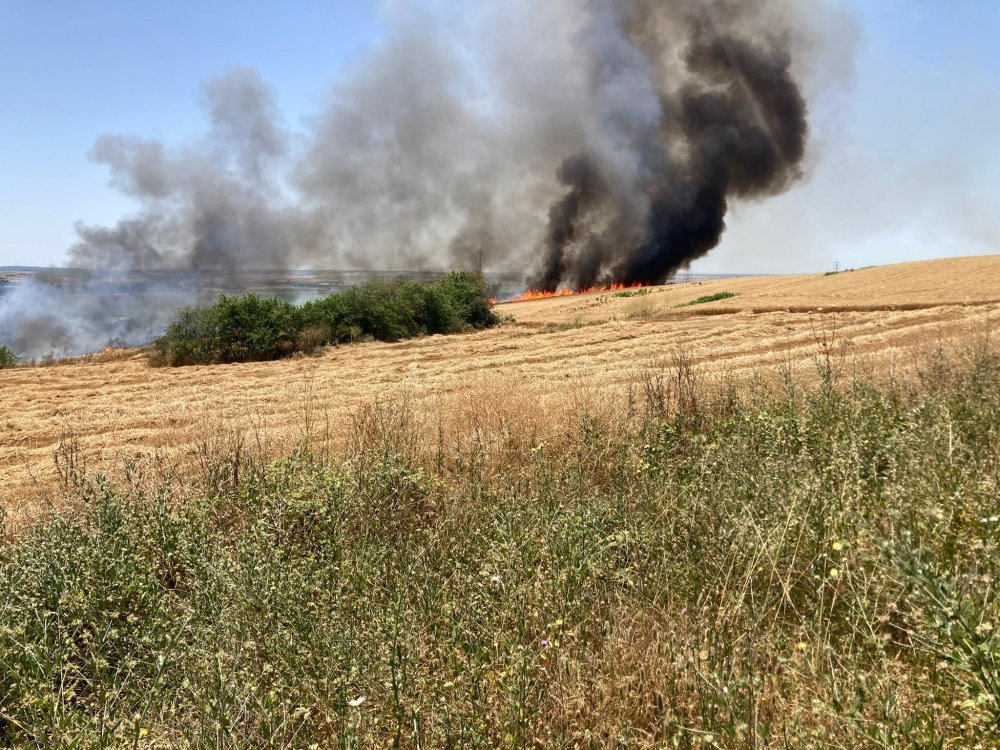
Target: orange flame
(532,294)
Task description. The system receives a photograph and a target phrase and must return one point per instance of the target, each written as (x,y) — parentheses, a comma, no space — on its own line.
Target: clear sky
(70,71)
(907,163)
(908,159)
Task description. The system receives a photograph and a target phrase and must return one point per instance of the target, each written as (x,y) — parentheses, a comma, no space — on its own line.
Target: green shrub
(803,569)
(7,357)
(379,309)
(633,293)
(251,328)
(466,294)
(708,298)
(191,338)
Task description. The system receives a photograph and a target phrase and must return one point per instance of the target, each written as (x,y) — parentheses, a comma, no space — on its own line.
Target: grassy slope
(801,568)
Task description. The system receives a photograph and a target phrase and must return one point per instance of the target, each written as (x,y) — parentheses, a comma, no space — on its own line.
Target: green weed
(807,567)
(708,298)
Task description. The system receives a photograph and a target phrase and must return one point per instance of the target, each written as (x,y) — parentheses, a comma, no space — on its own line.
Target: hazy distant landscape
(58,312)
(64,312)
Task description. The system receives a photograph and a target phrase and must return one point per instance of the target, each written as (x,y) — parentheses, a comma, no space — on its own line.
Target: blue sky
(70,71)
(907,164)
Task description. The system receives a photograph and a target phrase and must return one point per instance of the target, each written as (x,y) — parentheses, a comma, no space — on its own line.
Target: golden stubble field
(519,380)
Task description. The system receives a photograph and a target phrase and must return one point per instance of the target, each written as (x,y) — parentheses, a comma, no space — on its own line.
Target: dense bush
(811,569)
(251,328)
(7,357)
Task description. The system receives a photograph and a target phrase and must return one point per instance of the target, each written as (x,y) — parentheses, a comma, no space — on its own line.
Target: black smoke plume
(593,141)
(730,123)
(573,142)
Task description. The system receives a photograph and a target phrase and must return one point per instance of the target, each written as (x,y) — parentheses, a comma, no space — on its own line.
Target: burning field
(612,511)
(619,515)
(624,145)
(114,407)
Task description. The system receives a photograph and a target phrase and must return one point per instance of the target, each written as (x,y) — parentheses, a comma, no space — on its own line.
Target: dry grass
(904,286)
(525,378)
(670,529)
(682,561)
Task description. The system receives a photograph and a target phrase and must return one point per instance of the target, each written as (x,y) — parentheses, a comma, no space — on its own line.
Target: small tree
(469,298)
(7,357)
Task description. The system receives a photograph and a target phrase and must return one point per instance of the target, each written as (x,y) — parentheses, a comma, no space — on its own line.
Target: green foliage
(7,357)
(708,298)
(252,328)
(465,294)
(235,329)
(802,569)
(633,293)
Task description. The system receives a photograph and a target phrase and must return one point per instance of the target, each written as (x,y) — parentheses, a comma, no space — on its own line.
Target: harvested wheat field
(96,414)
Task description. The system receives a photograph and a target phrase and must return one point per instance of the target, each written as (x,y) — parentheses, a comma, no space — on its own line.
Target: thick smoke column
(570,142)
(729,121)
(574,141)
(742,123)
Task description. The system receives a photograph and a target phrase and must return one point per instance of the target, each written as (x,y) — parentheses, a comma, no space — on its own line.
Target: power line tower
(836,266)
(687,277)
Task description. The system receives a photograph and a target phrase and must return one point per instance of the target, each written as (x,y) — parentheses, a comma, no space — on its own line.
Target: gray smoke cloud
(63,315)
(572,142)
(586,141)
(211,204)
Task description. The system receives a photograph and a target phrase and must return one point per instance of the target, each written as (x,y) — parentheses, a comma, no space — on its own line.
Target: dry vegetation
(114,408)
(613,523)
